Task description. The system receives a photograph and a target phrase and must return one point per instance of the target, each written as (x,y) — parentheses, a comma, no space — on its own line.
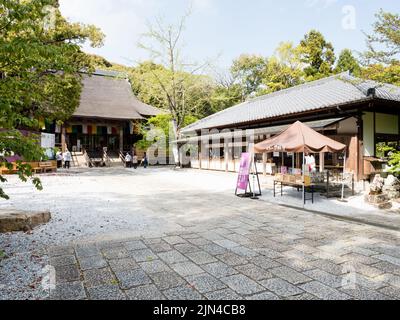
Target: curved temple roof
(325,93)
(107,96)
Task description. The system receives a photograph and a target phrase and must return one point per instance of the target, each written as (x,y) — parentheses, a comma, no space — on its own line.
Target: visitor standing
(135,161)
(145,161)
(128,160)
(311,163)
(67,159)
(59,158)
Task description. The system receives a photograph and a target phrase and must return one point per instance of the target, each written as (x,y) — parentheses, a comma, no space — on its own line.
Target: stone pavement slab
(183,246)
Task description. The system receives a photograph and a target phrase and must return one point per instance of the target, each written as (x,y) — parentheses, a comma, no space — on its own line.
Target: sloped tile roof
(325,93)
(105,95)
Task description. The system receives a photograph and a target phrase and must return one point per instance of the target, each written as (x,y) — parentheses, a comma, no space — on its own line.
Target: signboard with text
(244,172)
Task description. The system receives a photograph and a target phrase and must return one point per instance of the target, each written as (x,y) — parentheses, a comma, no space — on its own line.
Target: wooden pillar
(63,139)
(121,139)
(298,162)
(360,147)
(265,159)
(322,162)
(293,161)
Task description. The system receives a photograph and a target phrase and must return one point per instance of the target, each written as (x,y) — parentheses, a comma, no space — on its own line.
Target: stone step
(15,220)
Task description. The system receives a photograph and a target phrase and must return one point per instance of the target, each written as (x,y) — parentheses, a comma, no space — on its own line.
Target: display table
(295,182)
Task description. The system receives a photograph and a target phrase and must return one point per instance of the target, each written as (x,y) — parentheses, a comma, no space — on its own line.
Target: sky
(222,30)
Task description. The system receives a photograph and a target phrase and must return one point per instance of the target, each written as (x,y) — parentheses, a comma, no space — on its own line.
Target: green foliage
(224,96)
(2,255)
(382,73)
(40,60)
(395,163)
(347,62)
(248,70)
(284,69)
(162,122)
(390,151)
(152,84)
(317,54)
(384,43)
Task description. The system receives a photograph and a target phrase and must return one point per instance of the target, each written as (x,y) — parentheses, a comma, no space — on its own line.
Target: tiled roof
(105,95)
(316,125)
(325,93)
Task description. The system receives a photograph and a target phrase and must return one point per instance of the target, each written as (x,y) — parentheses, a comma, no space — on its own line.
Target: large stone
(392,181)
(14,220)
(376,199)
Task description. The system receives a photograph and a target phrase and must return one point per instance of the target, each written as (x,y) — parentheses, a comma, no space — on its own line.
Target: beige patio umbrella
(300,138)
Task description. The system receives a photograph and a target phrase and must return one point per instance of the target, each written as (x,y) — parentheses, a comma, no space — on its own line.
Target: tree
(177,79)
(160,122)
(225,96)
(381,73)
(196,89)
(248,71)
(347,62)
(284,69)
(382,64)
(40,61)
(384,43)
(317,54)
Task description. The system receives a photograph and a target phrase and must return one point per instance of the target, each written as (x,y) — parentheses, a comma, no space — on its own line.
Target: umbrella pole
(304,180)
(344,172)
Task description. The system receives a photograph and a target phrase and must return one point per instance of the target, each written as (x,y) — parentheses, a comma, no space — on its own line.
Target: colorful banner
(244,172)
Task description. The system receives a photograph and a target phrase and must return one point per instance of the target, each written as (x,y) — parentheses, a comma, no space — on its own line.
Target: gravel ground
(105,204)
(86,205)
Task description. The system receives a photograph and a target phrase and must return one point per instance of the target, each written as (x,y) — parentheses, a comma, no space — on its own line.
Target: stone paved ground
(222,247)
(259,252)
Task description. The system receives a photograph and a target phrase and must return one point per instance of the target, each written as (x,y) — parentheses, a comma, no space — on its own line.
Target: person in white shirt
(67,159)
(128,160)
(59,158)
(311,163)
(135,161)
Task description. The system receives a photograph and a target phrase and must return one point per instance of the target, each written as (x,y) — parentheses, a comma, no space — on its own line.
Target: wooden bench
(48,166)
(37,167)
(5,170)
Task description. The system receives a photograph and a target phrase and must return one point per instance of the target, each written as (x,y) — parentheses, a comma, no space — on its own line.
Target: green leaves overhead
(40,61)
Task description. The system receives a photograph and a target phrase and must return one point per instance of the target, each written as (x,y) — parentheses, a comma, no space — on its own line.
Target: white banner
(48,141)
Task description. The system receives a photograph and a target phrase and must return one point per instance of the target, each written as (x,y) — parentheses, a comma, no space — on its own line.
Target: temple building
(108,117)
(361,114)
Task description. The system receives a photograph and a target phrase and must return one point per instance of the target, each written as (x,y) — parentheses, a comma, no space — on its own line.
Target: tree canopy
(384,43)
(318,55)
(40,61)
(347,62)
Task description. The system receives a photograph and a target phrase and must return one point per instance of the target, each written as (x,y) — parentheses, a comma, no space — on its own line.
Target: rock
(377,185)
(376,199)
(13,220)
(385,206)
(392,181)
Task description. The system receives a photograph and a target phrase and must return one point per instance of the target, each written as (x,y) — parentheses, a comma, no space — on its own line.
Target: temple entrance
(92,143)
